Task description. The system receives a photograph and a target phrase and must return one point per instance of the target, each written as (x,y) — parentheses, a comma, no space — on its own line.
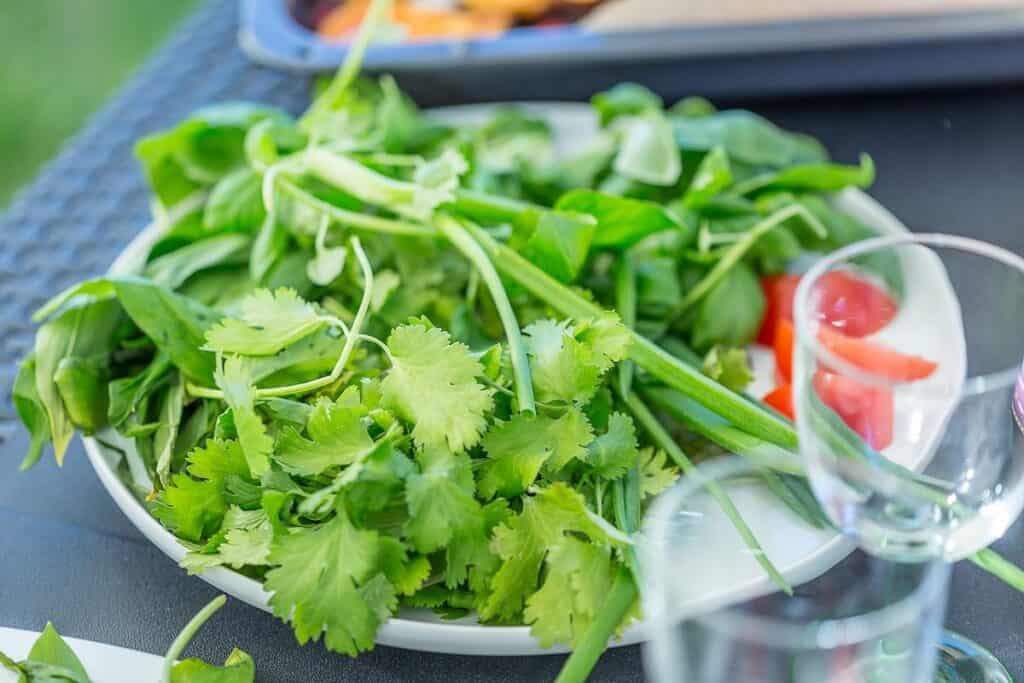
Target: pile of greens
(372,360)
(51,660)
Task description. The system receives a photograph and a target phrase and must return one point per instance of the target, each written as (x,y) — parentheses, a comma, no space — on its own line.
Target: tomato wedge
(852,304)
(865,409)
(876,358)
(783,346)
(778,295)
(781,398)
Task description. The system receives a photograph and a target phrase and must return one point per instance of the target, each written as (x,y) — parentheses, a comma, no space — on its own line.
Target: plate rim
(456,637)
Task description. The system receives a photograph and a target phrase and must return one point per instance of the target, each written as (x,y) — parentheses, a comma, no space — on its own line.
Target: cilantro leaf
(568,361)
(336,437)
(238,668)
(246,538)
(194,508)
(523,543)
(579,576)
(269,322)
(440,499)
(432,384)
(518,448)
(729,367)
(469,557)
(235,381)
(611,454)
(656,474)
(332,580)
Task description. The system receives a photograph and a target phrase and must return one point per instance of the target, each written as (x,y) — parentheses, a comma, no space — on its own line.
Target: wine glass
(908,349)
(866,620)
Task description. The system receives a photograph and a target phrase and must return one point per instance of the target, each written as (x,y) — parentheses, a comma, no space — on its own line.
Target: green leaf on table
(432,385)
(730,314)
(624,99)
(336,437)
(621,222)
(523,542)
(519,448)
(334,580)
(611,454)
(648,152)
(235,380)
(560,243)
(729,367)
(269,322)
(173,268)
(51,649)
(713,176)
(236,202)
(175,323)
(31,410)
(238,668)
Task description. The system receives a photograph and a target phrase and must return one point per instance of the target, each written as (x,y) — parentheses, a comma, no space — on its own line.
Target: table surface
(949,161)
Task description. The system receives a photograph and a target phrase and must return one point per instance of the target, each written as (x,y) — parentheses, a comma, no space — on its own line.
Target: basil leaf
(560,243)
(31,411)
(175,323)
(731,312)
(236,202)
(748,138)
(624,99)
(621,222)
(172,269)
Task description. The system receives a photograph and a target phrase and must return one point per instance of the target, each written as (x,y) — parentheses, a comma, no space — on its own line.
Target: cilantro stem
(182,641)
(470,248)
(655,360)
(351,339)
(664,441)
(998,566)
(732,256)
(485,208)
(625,304)
(621,597)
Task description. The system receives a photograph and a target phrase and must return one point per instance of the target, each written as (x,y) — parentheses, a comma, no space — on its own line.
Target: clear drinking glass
(910,432)
(865,620)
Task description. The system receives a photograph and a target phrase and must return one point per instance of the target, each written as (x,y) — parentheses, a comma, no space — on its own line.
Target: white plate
(802,554)
(103,663)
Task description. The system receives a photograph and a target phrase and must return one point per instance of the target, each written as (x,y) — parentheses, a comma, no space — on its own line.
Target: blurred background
(59,61)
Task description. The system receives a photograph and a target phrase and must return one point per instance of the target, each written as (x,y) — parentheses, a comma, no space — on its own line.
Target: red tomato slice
(865,409)
(778,295)
(783,346)
(853,305)
(876,358)
(781,398)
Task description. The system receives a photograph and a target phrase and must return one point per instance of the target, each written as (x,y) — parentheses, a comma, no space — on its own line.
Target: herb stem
(621,597)
(731,257)
(644,352)
(664,440)
(182,641)
(470,248)
(484,208)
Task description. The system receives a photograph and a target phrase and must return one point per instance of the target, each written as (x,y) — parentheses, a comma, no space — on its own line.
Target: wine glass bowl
(867,619)
(905,392)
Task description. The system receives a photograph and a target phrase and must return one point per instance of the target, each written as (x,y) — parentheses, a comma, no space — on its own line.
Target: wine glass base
(964,661)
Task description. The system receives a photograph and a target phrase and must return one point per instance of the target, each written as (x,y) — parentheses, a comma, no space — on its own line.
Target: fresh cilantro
(432,385)
(729,367)
(235,381)
(269,322)
(337,437)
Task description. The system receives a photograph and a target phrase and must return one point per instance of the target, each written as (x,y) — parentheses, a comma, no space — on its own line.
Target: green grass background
(59,60)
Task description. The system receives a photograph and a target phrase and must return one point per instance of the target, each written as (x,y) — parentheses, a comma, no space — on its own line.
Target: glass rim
(774,631)
(805,325)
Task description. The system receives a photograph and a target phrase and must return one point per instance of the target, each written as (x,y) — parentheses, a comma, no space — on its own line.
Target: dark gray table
(950,161)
